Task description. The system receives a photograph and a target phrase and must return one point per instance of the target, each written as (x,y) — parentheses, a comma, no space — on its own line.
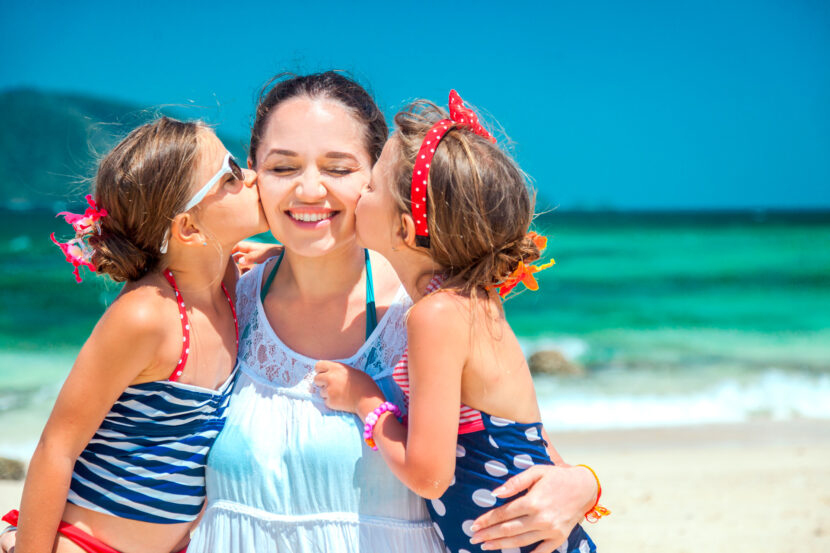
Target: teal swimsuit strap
(371,311)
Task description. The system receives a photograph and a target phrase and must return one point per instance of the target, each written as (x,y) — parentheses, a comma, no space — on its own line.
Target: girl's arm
(421,455)
(248,253)
(123,343)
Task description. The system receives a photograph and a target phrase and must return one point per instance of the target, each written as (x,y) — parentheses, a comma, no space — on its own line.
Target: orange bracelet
(596,511)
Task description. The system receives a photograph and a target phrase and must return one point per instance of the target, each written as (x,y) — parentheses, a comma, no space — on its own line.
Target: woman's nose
(309,187)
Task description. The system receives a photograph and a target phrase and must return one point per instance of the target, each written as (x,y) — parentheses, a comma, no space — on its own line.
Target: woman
(288,474)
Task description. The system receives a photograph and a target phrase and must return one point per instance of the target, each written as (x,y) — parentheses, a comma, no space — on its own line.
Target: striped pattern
(147,461)
(469,419)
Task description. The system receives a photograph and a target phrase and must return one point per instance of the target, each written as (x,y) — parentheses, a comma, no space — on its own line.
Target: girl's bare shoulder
(140,307)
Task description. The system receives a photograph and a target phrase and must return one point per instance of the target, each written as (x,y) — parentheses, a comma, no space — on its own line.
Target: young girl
(120,464)
(451,212)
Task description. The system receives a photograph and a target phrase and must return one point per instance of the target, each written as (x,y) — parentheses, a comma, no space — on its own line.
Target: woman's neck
(320,278)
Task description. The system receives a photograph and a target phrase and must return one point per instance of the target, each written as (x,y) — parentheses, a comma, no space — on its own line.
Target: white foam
(773,395)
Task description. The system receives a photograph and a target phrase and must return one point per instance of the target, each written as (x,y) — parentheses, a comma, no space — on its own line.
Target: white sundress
(288,474)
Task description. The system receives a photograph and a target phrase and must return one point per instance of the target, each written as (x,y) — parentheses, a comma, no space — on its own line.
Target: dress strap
(371,310)
(177,372)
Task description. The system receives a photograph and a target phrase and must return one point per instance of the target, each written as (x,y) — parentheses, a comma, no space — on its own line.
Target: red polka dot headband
(460,117)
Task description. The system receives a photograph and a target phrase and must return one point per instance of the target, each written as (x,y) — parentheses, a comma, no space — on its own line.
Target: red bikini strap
(177,372)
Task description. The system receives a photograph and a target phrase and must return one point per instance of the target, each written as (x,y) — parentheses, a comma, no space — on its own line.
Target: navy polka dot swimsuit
(490,450)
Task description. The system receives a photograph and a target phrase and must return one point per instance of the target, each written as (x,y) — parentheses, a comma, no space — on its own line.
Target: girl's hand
(7,541)
(343,387)
(556,500)
(249,253)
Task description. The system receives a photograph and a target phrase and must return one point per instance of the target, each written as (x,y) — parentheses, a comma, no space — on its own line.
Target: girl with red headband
(451,212)
(120,466)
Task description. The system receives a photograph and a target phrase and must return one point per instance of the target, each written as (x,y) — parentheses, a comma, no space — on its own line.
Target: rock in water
(11,469)
(554,363)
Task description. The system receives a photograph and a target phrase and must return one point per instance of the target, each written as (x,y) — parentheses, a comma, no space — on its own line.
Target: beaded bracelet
(596,511)
(372,419)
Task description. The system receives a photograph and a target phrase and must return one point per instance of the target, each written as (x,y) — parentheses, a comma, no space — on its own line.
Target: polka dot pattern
(439,507)
(460,117)
(484,460)
(177,372)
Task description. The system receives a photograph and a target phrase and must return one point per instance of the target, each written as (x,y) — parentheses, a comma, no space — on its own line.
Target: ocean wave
(772,395)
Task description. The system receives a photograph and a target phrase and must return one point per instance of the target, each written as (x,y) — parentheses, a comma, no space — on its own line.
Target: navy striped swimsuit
(147,460)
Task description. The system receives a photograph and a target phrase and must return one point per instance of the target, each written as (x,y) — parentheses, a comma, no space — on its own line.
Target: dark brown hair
(143,183)
(479,205)
(331,84)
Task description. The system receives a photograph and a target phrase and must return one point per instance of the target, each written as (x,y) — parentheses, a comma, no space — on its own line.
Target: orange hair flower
(524,273)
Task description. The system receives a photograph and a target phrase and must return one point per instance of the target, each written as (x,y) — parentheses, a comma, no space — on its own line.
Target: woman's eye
(339,172)
(281,170)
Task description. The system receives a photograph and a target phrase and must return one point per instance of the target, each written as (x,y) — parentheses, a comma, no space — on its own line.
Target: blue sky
(626,104)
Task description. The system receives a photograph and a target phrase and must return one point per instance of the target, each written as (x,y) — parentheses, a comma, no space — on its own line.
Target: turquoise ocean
(679,318)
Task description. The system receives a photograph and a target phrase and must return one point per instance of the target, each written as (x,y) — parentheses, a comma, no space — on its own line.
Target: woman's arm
(122,344)
(421,455)
(557,498)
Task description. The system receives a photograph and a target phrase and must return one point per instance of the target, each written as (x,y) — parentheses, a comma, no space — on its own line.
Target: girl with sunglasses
(120,466)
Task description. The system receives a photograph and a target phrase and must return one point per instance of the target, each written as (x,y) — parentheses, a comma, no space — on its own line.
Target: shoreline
(755,486)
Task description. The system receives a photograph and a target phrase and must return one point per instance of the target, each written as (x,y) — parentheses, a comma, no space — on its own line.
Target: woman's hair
(331,85)
(143,183)
(479,206)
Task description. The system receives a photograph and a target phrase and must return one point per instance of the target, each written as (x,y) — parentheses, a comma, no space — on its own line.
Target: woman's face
(377,216)
(312,163)
(230,211)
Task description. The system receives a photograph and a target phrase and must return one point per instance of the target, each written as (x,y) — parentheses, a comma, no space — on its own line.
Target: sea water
(678,318)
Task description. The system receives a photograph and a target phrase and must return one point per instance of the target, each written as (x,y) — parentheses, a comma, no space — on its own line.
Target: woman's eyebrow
(282,153)
(340,155)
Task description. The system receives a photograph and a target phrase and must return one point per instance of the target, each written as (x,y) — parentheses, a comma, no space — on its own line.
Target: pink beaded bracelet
(372,419)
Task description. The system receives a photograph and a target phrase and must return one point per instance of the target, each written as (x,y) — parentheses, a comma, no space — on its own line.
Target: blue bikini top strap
(371,311)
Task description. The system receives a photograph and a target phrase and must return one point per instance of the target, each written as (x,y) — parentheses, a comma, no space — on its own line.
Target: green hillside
(50,143)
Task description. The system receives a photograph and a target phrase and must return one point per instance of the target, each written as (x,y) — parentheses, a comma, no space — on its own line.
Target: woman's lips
(311,217)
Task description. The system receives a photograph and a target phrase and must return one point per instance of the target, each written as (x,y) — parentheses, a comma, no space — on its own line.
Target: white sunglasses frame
(200,195)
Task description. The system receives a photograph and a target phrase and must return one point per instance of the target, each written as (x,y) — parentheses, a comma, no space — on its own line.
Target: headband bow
(460,117)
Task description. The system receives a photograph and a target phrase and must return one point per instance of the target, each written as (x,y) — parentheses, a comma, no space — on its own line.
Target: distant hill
(50,143)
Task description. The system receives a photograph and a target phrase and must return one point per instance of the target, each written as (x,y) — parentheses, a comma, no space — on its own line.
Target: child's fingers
(323,366)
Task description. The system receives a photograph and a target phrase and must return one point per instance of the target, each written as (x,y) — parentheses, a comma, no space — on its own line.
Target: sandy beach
(754,487)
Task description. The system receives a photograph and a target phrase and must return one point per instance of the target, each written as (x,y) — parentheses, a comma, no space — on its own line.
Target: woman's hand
(249,253)
(7,541)
(556,500)
(343,387)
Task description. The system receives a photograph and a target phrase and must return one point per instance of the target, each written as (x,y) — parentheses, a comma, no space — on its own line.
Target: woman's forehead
(313,124)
